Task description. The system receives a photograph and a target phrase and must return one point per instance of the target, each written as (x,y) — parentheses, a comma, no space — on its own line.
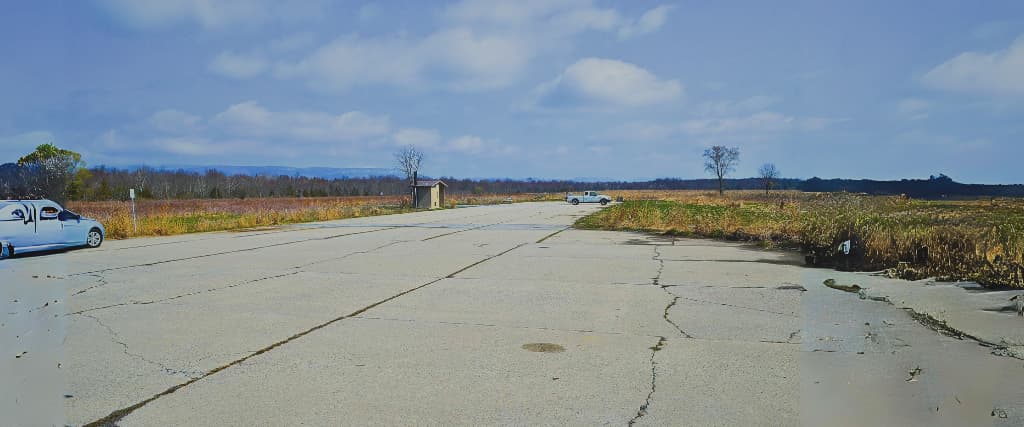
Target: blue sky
(525,88)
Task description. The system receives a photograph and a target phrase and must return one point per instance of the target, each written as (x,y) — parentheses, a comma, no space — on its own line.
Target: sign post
(135,227)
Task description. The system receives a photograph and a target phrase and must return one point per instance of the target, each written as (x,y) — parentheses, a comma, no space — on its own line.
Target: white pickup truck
(587,197)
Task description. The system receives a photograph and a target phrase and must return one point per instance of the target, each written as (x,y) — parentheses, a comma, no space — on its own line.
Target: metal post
(135,226)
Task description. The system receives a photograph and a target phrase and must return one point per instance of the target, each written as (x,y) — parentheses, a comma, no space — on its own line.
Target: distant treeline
(103,183)
(934,187)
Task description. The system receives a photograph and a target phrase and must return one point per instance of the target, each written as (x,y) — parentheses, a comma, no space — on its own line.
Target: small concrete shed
(429,194)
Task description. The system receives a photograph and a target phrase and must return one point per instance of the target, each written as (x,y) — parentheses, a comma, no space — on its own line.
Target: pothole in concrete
(543,347)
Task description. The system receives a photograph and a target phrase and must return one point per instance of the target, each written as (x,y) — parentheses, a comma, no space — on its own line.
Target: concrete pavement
(486,315)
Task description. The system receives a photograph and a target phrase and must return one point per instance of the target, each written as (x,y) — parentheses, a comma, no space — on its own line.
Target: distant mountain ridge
(308,172)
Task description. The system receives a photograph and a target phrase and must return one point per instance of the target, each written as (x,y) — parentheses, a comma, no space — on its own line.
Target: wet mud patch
(543,347)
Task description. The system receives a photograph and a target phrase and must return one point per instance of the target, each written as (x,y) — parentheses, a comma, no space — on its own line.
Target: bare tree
(409,160)
(721,161)
(768,174)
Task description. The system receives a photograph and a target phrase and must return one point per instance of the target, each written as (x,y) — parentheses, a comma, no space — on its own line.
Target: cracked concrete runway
(425,319)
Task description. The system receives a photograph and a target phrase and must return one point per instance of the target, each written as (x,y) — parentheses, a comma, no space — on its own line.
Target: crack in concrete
(943,328)
(654,381)
(542,239)
(743,261)
(102,282)
(247,282)
(351,254)
(471,228)
(293,228)
(656,281)
(458,231)
(788,340)
(490,325)
(124,347)
(148,264)
(224,287)
(117,415)
(662,341)
(740,306)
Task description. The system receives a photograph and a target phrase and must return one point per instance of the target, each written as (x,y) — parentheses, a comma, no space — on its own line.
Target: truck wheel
(604,202)
(575,201)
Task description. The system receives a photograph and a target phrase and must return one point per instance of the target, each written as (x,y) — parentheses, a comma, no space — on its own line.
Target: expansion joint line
(117,415)
(155,301)
(542,239)
(255,248)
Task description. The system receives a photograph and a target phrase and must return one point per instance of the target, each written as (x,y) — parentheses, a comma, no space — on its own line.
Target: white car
(42,225)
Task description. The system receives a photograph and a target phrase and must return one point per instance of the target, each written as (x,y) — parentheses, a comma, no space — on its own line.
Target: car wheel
(94,239)
(575,202)
(604,202)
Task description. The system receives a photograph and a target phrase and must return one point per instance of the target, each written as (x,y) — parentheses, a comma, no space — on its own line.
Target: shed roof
(429,183)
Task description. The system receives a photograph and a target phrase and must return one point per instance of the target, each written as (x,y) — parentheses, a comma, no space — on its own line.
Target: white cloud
(480,61)
(549,17)
(468,143)
(17,146)
(756,125)
(818,123)
(760,122)
(424,138)
(913,108)
(764,121)
(642,131)
(502,12)
(209,14)
(252,120)
(291,42)
(349,60)
(472,144)
(746,105)
(648,23)
(588,18)
(1000,72)
(190,146)
(174,121)
(478,45)
(369,11)
(238,66)
(461,58)
(595,83)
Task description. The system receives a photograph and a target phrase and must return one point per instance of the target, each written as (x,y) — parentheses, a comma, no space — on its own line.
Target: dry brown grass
(976,240)
(170,217)
(491,199)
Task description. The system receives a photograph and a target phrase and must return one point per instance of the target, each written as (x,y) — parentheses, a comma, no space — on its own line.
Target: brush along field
(169,217)
(981,240)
